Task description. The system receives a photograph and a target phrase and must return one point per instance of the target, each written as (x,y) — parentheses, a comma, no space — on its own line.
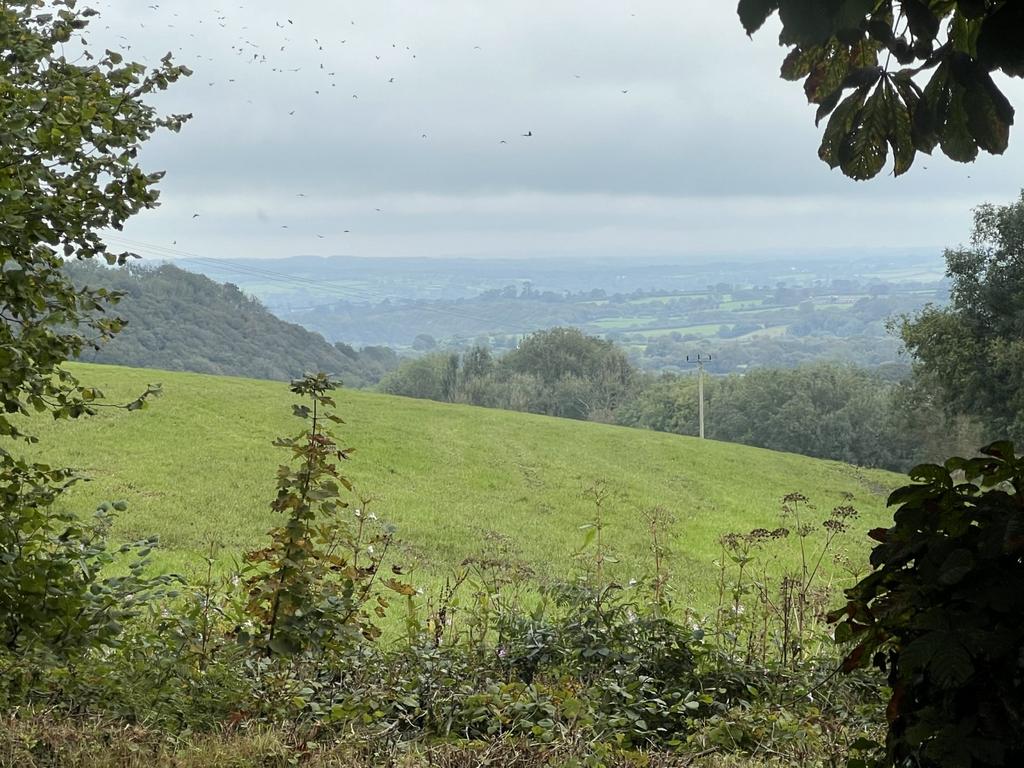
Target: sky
(495,129)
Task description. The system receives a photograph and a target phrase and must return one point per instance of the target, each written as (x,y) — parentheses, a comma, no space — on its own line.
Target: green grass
(621,323)
(653,300)
(773,331)
(707,329)
(198,467)
(740,304)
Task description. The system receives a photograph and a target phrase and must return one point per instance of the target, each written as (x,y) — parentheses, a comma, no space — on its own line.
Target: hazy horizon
(394,129)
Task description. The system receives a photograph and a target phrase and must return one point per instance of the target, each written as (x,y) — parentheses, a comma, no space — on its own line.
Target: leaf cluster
(69,139)
(940,613)
(64,592)
(863,63)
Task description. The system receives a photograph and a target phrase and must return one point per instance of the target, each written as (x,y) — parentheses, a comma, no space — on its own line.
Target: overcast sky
(657,128)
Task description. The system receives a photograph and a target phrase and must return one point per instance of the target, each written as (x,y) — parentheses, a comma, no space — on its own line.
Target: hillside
(182,321)
(198,467)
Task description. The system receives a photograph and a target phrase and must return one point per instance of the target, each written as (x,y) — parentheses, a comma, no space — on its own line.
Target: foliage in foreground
(836,47)
(940,614)
(69,138)
(590,669)
(598,671)
(46,740)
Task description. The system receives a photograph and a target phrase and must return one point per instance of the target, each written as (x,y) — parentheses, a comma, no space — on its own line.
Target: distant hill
(182,321)
(199,467)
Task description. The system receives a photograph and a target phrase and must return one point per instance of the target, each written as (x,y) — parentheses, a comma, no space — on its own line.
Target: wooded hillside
(182,321)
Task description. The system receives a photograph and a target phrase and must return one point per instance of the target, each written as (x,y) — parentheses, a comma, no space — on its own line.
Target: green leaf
(989,114)
(1000,43)
(852,14)
(955,567)
(941,655)
(923,22)
(930,112)
(799,62)
(863,151)
(955,136)
(839,126)
(901,131)
(933,474)
(827,105)
(754,13)
(806,22)
(828,74)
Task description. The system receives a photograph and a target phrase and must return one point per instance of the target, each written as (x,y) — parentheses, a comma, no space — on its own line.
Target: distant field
(198,467)
(737,304)
(772,331)
(708,329)
(623,323)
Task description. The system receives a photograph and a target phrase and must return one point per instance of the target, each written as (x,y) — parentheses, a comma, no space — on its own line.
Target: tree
(971,353)
(69,139)
(422,377)
(477,363)
(310,589)
(863,62)
(424,342)
(583,376)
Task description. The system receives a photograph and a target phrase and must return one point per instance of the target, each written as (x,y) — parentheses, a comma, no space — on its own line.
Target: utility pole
(699,359)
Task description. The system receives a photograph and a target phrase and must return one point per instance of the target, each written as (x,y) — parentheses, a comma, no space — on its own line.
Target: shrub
(940,614)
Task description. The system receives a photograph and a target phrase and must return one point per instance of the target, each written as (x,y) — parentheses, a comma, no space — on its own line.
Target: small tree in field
(70,134)
(312,590)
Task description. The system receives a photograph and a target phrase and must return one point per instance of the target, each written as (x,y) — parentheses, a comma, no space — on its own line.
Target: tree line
(966,378)
(826,410)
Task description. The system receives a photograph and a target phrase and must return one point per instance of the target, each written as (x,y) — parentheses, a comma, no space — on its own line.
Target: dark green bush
(941,614)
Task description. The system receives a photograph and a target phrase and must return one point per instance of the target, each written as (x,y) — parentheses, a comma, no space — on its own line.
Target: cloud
(654,125)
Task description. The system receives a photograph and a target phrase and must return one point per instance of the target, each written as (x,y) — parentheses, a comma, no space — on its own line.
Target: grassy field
(775,331)
(198,467)
(708,329)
